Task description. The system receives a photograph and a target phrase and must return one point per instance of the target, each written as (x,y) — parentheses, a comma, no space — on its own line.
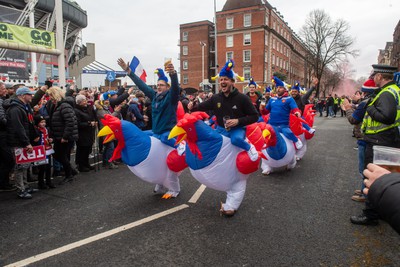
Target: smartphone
(48,83)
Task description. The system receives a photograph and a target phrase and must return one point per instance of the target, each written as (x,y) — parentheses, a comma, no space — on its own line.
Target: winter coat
(20,129)
(64,124)
(258,101)
(236,106)
(86,131)
(3,117)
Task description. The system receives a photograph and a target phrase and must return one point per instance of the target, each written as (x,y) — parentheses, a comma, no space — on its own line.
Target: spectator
(86,127)
(64,130)
(21,134)
(380,125)
(6,155)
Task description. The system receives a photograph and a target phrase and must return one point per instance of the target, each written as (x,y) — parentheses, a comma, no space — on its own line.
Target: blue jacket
(163,105)
(280,109)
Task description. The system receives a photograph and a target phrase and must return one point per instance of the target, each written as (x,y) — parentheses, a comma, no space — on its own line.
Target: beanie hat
(296,87)
(161,75)
(278,82)
(37,119)
(107,95)
(369,86)
(268,89)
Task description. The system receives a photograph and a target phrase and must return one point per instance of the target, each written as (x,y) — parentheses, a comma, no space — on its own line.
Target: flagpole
(215,45)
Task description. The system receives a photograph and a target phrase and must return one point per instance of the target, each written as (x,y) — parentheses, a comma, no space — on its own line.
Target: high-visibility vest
(335,100)
(369,126)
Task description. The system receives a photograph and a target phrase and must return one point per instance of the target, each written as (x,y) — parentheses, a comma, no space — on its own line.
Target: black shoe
(363,220)
(84,169)
(66,180)
(43,186)
(50,185)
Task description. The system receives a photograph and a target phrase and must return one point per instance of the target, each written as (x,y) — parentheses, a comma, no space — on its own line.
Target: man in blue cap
(20,132)
(232,109)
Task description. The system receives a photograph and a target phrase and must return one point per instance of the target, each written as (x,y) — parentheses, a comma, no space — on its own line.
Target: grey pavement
(291,218)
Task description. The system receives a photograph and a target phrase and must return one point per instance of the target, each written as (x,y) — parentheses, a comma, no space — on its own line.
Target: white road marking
(197,194)
(94,238)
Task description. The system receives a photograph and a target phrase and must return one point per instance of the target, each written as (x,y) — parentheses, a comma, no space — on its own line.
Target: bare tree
(328,41)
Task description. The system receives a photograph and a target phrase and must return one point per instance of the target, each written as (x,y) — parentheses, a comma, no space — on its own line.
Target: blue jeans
(361,157)
(237,136)
(331,113)
(108,150)
(287,132)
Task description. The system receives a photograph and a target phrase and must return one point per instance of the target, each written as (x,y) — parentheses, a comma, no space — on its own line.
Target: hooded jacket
(64,124)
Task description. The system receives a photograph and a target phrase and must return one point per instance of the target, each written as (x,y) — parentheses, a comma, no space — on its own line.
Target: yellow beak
(106,131)
(177,131)
(266,133)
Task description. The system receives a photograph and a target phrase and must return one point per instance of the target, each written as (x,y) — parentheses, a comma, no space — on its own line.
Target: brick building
(254,34)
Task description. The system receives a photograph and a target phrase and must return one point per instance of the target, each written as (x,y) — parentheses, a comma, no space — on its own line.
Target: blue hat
(108,94)
(161,75)
(227,70)
(24,91)
(296,87)
(268,89)
(252,82)
(278,82)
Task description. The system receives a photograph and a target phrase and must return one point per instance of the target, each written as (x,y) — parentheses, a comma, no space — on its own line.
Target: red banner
(22,157)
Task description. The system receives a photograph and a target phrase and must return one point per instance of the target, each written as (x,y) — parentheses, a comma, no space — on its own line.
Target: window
(229,23)
(247,20)
(185,50)
(273,59)
(229,55)
(266,19)
(246,55)
(185,36)
(185,79)
(247,73)
(273,43)
(185,65)
(247,38)
(229,41)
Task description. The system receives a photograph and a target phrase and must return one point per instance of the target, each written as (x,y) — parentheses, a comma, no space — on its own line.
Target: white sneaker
(159,189)
(298,144)
(252,152)
(181,148)
(311,131)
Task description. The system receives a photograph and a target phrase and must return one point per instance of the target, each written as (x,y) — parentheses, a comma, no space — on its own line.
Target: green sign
(29,36)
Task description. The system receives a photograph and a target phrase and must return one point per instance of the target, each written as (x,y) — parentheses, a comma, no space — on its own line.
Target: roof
(98,68)
(236,4)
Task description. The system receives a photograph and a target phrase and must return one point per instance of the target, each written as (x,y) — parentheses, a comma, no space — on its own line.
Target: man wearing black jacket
(233,110)
(21,133)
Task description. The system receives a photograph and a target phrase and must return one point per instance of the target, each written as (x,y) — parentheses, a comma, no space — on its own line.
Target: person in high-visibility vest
(380,126)
(335,105)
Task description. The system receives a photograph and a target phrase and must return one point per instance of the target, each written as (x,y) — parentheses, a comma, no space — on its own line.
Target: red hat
(369,86)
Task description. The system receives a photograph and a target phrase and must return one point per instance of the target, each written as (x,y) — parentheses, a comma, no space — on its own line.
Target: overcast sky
(150,29)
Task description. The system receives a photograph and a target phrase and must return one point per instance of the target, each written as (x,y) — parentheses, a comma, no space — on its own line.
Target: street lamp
(202,44)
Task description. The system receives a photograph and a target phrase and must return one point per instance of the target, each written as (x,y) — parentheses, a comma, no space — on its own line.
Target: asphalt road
(294,218)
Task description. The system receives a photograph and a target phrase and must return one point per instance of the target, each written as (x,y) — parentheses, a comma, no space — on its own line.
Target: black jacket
(384,196)
(84,116)
(302,100)
(384,110)
(236,106)
(63,120)
(20,128)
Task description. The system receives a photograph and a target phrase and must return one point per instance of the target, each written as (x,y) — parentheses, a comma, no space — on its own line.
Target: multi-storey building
(395,60)
(252,33)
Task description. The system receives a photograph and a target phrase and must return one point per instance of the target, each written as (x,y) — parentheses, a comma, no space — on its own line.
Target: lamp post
(202,44)
(215,43)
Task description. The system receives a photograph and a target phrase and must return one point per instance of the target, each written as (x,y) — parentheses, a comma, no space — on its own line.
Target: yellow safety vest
(369,126)
(335,101)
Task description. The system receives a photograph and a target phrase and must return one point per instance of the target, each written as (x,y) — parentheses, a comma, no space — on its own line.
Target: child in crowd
(45,169)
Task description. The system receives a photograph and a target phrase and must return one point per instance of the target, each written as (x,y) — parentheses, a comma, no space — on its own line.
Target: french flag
(138,69)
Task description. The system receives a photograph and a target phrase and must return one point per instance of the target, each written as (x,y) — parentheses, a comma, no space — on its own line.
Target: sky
(149,29)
